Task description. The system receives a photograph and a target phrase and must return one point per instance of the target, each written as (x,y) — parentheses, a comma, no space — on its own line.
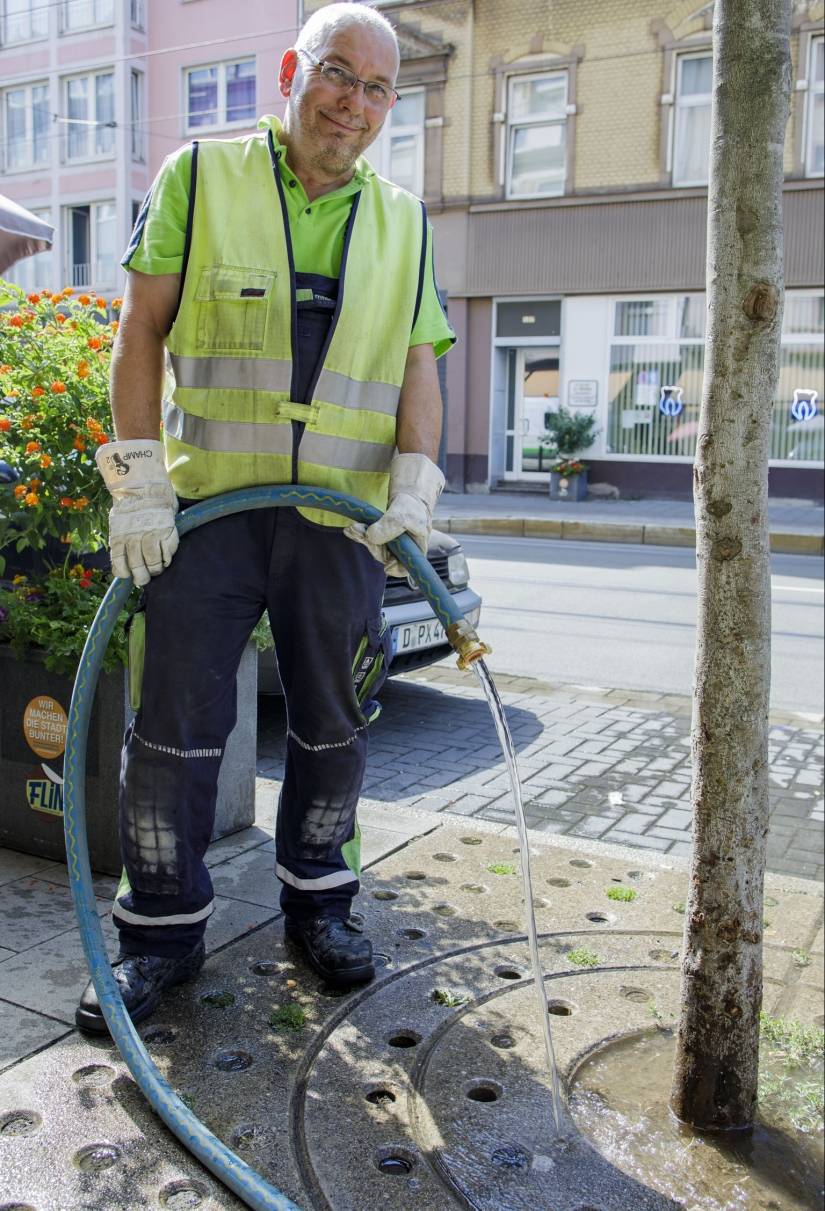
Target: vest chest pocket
(233,306)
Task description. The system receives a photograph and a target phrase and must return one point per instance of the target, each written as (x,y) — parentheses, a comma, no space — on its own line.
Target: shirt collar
(363,169)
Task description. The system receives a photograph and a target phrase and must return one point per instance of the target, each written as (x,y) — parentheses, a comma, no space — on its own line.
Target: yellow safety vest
(228,424)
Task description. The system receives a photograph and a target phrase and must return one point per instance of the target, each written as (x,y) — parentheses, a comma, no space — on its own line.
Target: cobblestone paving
(604,765)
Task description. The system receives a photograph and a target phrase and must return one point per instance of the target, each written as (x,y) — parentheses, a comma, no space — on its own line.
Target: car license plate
(429,633)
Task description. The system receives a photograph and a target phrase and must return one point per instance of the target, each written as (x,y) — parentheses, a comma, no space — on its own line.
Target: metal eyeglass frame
(321,64)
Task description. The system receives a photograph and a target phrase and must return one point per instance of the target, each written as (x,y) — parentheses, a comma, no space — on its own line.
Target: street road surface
(622,616)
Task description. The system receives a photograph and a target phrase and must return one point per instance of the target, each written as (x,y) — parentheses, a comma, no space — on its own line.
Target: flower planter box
(33,706)
(568,487)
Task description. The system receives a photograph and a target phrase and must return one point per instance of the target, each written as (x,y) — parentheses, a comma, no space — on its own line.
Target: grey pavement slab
(386,1071)
(23,1032)
(16,866)
(33,910)
(50,977)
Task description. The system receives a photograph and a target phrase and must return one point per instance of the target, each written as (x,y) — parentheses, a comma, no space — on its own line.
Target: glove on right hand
(142,532)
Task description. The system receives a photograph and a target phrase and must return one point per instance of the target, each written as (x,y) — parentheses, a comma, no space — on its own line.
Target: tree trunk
(715,1077)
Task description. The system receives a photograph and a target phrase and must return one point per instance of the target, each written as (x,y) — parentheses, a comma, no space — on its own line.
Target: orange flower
(82,369)
(94,426)
(81,503)
(20,490)
(12,394)
(94,342)
(67,290)
(115,324)
(37,391)
(5,368)
(57,298)
(84,299)
(101,438)
(32,447)
(66,502)
(58,388)
(60,317)
(79,444)
(32,499)
(28,421)
(5,424)
(16,321)
(33,298)
(45,460)
(100,301)
(117,304)
(34,483)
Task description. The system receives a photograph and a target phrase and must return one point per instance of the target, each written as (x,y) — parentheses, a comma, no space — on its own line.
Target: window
(24,21)
(137,17)
(659,343)
(136,107)
(26,121)
(86,14)
(90,242)
(220,95)
(691,131)
(815,118)
(398,153)
(536,135)
(34,272)
(90,116)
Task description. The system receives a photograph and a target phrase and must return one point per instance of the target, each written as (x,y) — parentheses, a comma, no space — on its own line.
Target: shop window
(815,115)
(89,103)
(536,135)
(23,21)
(691,123)
(26,122)
(220,95)
(532,320)
(658,343)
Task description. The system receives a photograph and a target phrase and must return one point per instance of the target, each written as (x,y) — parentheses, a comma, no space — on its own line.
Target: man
(293,288)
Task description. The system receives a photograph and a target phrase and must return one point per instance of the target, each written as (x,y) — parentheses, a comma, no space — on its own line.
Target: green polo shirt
(316,228)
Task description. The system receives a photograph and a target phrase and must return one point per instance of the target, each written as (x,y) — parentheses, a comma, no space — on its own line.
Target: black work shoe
(142,980)
(336,948)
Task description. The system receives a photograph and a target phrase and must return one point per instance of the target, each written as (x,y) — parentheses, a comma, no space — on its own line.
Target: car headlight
(457,569)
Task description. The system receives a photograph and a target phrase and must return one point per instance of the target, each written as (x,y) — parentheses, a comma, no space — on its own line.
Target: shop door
(532,390)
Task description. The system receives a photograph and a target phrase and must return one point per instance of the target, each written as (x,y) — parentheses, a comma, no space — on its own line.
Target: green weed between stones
(801,958)
(625,894)
(501,868)
(219,1000)
(583,957)
(445,996)
(795,1090)
(288,1017)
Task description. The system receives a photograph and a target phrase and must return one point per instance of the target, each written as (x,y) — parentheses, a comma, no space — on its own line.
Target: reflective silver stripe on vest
(334,388)
(232,373)
(273,374)
(252,438)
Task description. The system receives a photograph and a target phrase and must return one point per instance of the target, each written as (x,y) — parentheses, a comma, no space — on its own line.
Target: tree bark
(715,1077)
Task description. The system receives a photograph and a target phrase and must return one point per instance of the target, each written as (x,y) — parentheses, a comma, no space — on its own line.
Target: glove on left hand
(415,485)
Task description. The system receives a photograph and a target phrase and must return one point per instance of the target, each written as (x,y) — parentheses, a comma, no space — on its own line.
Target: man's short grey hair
(324,22)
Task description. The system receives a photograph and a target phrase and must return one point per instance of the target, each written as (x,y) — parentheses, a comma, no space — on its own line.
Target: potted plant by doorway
(569,432)
(55,350)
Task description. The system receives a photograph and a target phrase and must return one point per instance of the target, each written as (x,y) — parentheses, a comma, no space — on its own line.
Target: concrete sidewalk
(796,527)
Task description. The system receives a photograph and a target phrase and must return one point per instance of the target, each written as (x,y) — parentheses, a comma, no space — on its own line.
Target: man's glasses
(381,96)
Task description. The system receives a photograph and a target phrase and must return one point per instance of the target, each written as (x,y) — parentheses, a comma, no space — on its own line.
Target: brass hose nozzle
(466,642)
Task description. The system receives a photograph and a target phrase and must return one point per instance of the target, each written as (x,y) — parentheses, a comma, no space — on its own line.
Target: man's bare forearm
(138,358)
(419,406)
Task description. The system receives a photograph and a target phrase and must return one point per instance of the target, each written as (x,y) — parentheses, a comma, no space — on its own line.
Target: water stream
(506,741)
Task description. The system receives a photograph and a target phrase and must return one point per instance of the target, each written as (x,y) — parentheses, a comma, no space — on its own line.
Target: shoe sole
(338,979)
(93,1023)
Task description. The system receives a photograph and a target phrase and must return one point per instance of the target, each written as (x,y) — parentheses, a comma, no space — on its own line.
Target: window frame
(137,135)
(66,30)
(812,91)
(221,65)
(23,272)
(704,52)
(511,126)
(382,162)
(32,164)
(34,6)
(93,123)
(137,15)
(93,283)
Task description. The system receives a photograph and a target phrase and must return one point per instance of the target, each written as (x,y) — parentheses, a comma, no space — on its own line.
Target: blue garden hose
(223,1163)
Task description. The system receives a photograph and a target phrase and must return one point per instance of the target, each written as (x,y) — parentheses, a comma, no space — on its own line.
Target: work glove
(415,485)
(142,533)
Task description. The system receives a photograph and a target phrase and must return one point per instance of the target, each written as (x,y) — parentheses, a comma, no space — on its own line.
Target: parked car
(418,637)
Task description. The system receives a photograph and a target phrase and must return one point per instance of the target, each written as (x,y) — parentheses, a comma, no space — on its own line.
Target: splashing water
(505,739)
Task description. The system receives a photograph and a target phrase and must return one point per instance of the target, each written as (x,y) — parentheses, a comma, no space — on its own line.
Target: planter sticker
(44,726)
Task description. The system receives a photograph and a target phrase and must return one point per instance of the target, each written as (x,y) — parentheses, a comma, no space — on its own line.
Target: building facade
(95,93)
(562,150)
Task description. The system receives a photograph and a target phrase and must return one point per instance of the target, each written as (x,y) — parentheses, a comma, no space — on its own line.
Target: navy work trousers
(323,594)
